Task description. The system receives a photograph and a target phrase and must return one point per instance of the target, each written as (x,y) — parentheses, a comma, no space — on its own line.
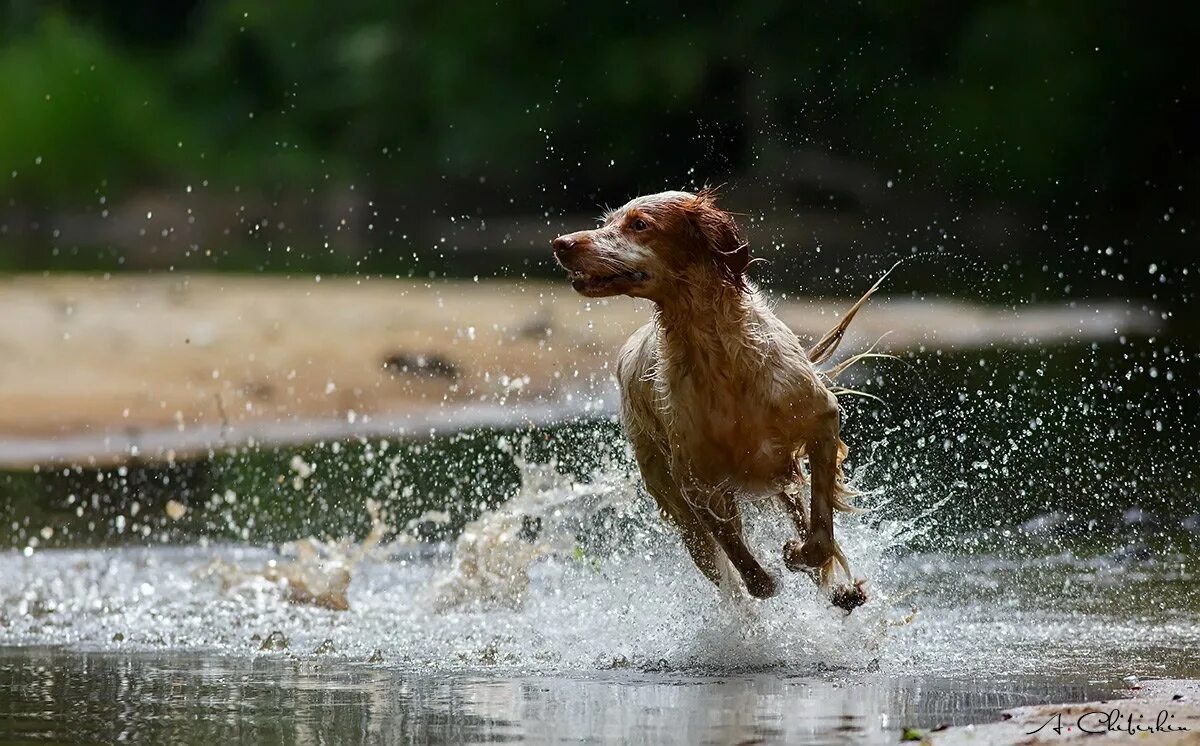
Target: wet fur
(720,399)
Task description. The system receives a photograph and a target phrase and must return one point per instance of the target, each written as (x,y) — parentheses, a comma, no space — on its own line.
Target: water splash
(310,571)
(1020,564)
(495,553)
(567,575)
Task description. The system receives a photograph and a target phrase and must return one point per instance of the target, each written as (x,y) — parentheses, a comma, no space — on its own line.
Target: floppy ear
(721,237)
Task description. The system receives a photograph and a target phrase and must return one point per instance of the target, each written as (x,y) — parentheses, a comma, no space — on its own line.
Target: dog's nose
(563,245)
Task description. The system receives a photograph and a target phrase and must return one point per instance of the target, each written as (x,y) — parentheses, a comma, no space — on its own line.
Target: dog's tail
(828,344)
(820,353)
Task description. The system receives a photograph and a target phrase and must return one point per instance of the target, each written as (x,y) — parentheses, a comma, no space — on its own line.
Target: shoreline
(97,368)
(159,444)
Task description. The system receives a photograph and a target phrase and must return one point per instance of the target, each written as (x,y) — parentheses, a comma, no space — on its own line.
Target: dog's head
(652,243)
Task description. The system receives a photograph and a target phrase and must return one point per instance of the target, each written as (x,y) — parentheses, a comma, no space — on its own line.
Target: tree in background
(1068,111)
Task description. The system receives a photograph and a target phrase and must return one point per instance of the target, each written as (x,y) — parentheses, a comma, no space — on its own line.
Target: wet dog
(720,399)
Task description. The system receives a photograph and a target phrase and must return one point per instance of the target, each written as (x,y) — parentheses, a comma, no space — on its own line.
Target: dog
(721,401)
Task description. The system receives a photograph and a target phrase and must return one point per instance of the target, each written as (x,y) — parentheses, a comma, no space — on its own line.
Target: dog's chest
(745,436)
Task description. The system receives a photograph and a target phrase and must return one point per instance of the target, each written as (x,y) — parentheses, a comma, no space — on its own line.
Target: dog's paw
(814,552)
(793,559)
(761,584)
(849,597)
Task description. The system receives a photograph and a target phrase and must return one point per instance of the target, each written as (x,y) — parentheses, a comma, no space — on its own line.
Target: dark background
(1016,151)
(1022,150)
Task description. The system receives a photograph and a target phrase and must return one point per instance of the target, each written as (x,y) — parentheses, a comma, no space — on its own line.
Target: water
(145,643)
(139,643)
(644,609)
(184,697)
(1031,539)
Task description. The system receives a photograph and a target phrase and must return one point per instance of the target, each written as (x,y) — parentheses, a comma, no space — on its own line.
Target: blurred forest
(416,138)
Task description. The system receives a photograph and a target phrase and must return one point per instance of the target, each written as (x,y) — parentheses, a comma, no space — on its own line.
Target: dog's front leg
(719,512)
(699,544)
(671,501)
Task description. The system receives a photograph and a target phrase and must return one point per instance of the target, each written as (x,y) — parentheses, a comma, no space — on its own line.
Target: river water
(1030,537)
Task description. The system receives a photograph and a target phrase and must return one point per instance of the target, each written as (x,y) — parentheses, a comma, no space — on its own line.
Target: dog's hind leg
(721,515)
(820,550)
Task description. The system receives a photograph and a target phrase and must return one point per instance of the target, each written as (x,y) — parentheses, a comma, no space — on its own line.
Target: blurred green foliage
(80,116)
(1063,108)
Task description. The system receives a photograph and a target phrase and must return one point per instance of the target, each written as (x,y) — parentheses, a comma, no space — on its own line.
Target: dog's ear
(722,239)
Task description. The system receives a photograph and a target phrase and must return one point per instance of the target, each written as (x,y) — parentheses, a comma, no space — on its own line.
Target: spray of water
(568,574)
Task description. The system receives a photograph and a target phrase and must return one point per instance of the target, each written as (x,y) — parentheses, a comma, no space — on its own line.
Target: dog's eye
(638,225)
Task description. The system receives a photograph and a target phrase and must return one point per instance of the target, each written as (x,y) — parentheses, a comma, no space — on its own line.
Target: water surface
(47,695)
(1030,537)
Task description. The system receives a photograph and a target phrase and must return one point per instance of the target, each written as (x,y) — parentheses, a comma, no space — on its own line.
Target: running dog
(720,399)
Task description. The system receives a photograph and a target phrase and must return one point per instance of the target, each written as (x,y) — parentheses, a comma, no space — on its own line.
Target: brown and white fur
(720,399)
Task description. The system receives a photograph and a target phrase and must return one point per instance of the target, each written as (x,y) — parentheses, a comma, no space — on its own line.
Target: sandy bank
(92,367)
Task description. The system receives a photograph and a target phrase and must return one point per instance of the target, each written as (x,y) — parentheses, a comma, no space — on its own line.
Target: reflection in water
(49,694)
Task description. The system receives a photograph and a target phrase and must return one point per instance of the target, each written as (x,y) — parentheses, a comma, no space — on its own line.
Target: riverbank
(98,368)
